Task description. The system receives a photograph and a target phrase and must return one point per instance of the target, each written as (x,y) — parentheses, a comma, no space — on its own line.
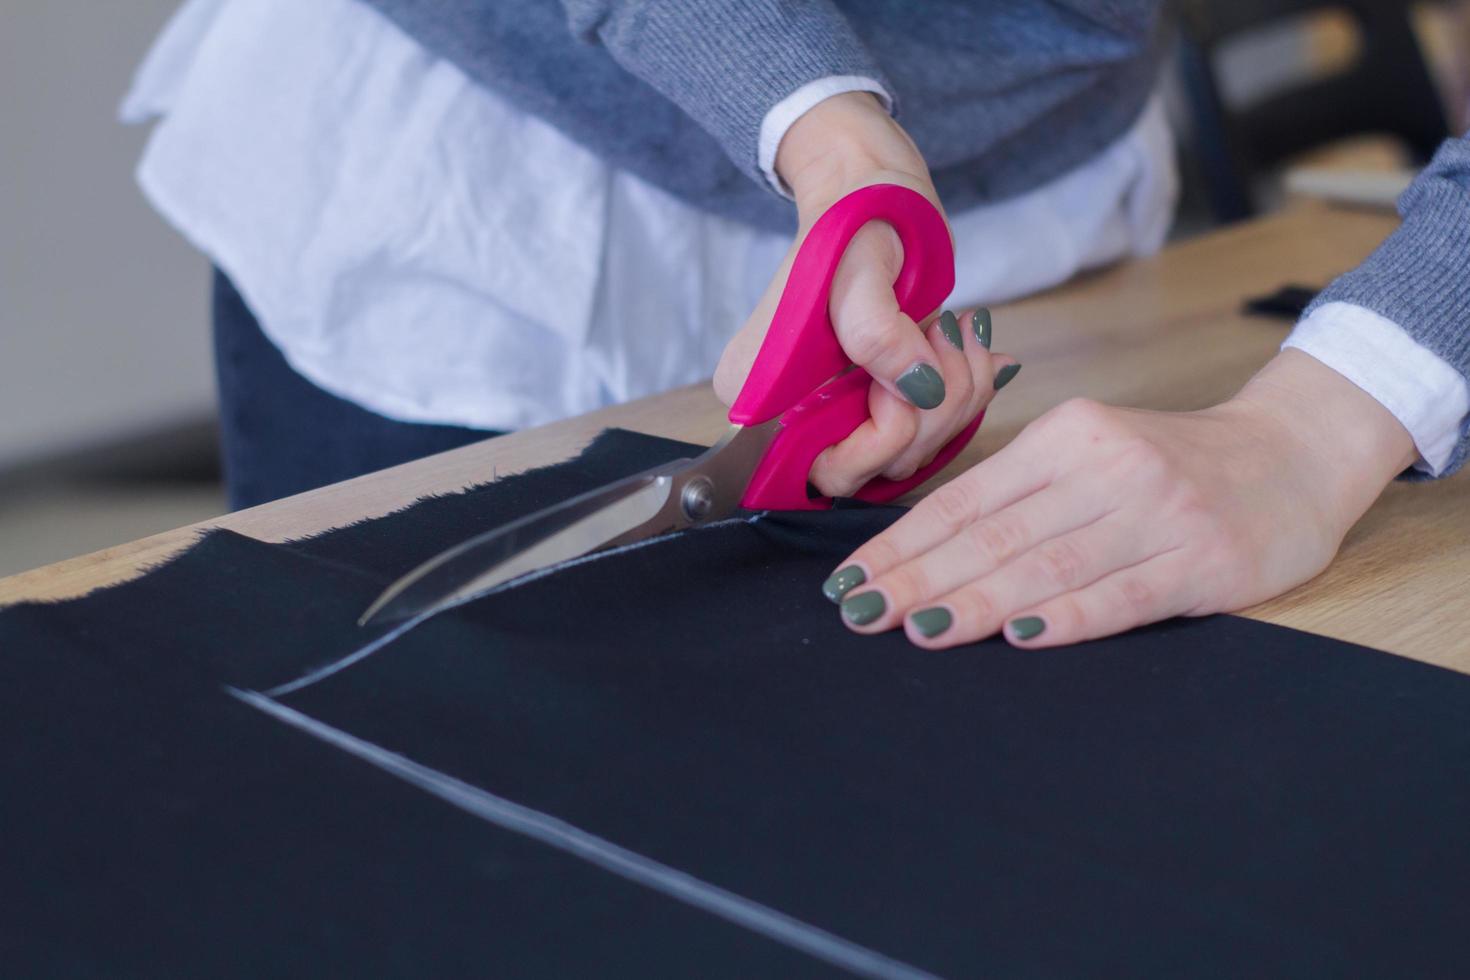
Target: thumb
(874,333)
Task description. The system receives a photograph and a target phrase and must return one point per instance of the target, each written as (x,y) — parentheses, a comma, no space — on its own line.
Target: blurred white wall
(103,309)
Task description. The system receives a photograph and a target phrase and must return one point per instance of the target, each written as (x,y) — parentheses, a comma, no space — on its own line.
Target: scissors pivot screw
(698,497)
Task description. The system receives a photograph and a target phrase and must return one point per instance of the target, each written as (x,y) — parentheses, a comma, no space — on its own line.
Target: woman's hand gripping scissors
(802,395)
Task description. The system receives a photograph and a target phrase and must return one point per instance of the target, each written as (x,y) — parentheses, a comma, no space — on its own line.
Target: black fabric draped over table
(674,760)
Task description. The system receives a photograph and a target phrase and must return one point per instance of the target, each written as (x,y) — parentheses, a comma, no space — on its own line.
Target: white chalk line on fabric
(362,653)
(620,861)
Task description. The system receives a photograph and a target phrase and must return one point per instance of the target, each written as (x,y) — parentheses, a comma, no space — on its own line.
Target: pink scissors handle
(801,350)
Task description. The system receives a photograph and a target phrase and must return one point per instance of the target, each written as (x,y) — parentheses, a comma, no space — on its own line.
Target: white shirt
(413,243)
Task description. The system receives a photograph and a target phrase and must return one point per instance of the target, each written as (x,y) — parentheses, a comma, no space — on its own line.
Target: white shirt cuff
(1428,396)
(784,113)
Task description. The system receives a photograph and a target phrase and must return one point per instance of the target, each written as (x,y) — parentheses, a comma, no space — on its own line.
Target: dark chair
(1386,90)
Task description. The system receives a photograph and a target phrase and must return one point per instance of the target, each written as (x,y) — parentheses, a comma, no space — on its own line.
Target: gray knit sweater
(1000,96)
(1420,276)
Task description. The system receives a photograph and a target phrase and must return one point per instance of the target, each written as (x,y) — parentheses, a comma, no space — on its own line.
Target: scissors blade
(558,533)
(676,495)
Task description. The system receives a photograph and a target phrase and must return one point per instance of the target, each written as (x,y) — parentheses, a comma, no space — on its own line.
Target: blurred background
(106,386)
(106,390)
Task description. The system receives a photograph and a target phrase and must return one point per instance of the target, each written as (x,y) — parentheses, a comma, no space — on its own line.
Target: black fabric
(1214,797)
(280,434)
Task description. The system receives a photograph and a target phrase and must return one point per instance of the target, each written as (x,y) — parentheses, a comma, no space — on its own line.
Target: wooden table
(1161,333)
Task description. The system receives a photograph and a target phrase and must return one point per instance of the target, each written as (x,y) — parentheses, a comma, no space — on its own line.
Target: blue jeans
(280,434)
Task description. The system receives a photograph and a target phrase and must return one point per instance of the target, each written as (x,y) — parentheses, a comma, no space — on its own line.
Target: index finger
(1014,473)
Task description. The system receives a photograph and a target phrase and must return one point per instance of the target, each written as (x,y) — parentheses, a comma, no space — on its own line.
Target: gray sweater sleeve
(1420,276)
(726,62)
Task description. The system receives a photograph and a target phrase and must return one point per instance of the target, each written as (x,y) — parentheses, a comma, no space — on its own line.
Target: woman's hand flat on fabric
(926,389)
(1097,519)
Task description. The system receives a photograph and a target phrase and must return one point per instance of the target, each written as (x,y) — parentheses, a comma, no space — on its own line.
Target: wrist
(843,142)
(1352,445)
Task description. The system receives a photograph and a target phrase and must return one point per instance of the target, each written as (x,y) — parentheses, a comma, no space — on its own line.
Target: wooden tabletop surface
(1160,333)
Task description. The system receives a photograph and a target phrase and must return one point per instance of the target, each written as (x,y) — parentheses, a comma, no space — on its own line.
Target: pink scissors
(801,396)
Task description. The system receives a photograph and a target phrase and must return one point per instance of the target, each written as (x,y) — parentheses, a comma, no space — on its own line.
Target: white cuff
(1428,396)
(794,106)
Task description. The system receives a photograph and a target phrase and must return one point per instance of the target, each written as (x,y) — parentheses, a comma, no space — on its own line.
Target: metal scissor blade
(558,533)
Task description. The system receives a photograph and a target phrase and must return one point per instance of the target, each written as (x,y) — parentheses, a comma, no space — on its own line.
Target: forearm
(841,141)
(1355,445)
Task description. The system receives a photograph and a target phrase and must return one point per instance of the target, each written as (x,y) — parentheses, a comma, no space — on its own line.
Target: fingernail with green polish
(843,581)
(980,323)
(922,385)
(862,609)
(950,327)
(1027,626)
(931,622)
(1004,375)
